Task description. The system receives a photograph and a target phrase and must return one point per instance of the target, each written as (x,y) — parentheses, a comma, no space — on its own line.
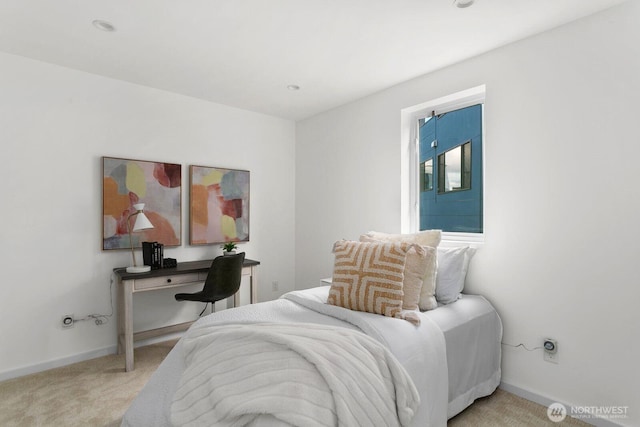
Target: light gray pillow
(453,264)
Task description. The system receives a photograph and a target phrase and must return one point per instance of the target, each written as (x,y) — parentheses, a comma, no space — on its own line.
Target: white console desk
(186,273)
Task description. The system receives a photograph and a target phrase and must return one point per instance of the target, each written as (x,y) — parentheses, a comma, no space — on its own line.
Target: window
(444,166)
(454,169)
(426,175)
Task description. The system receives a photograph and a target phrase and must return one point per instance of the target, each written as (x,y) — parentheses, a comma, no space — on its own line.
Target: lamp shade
(142,222)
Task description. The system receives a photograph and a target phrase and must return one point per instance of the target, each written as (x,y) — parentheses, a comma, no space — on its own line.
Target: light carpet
(97,393)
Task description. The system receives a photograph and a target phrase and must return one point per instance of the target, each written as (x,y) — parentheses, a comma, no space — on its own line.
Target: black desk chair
(223,280)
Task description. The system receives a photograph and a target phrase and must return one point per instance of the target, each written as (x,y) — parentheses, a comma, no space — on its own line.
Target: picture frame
(218,205)
(158,185)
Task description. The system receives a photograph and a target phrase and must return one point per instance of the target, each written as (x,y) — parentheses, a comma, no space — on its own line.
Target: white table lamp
(142,223)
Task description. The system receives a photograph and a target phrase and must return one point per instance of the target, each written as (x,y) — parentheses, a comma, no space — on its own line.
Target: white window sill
(462,239)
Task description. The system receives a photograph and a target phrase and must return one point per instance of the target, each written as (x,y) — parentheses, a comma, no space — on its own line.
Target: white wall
(562,200)
(55,125)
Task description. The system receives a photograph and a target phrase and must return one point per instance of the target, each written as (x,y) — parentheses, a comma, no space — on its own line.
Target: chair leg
(205,307)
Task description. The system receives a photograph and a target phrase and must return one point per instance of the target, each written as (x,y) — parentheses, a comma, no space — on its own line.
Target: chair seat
(196,296)
(200,296)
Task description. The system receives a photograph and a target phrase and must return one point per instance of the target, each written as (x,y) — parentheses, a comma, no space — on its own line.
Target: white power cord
(521,345)
(101,319)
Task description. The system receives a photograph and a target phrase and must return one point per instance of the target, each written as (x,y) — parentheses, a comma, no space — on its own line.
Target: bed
(452,357)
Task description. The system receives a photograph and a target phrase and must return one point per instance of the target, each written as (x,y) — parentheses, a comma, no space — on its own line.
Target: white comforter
(302,374)
(420,350)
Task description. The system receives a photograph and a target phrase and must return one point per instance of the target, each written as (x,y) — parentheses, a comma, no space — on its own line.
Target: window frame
(410,165)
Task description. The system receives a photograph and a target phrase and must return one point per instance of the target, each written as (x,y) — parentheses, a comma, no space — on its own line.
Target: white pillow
(453,264)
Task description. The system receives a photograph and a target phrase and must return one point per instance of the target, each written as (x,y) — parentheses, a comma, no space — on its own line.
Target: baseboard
(57,363)
(80,357)
(544,401)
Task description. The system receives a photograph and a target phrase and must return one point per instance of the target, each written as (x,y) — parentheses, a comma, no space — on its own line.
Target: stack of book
(152,253)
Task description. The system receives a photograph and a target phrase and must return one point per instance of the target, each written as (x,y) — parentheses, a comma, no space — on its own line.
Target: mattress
(470,329)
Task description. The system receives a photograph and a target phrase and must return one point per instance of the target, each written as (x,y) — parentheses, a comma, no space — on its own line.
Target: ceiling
(244,53)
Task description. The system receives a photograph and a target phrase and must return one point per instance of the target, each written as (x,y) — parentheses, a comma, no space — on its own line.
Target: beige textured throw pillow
(419,260)
(429,240)
(427,300)
(368,276)
(414,271)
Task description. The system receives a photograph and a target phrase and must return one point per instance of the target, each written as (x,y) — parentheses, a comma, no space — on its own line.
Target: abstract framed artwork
(127,182)
(219,205)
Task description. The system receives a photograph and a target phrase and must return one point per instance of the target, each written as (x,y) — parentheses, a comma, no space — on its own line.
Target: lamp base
(140,269)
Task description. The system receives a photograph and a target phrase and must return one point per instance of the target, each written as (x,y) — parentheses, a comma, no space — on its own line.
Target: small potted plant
(229,248)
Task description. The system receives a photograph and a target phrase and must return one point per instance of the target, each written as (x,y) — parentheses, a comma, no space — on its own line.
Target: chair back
(224,277)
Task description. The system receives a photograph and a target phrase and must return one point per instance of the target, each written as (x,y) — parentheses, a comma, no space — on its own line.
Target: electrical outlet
(274,285)
(68,321)
(550,350)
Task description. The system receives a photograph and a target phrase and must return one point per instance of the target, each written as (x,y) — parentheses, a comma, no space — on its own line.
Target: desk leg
(253,284)
(127,314)
(120,308)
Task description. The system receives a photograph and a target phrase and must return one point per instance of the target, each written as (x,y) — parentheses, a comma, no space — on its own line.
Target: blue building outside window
(450,155)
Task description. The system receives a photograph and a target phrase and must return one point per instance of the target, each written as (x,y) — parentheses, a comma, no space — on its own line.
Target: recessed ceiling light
(104,25)
(293,87)
(463,3)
